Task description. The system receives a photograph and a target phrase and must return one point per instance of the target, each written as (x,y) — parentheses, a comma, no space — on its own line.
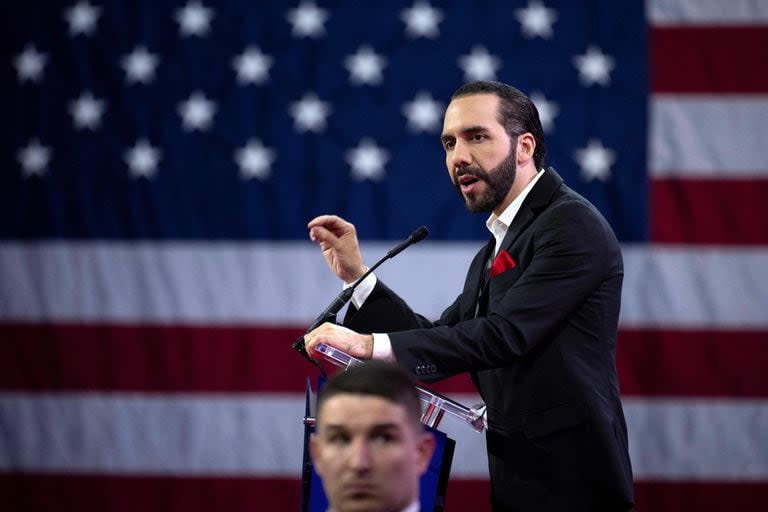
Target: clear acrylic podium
(434,407)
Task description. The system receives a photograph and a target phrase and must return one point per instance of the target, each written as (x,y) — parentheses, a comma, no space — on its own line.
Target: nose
(460,156)
(360,456)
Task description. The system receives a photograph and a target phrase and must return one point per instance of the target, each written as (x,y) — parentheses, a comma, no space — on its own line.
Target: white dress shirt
(413,507)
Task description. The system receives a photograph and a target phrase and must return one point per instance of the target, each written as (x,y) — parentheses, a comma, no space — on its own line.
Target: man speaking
(535,324)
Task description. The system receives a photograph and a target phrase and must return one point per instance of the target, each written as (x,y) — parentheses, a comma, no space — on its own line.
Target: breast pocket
(501,284)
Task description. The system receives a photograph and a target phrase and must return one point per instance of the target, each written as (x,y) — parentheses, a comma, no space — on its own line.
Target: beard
(498,182)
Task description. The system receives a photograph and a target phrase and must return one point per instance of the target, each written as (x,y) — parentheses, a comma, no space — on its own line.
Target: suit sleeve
(573,252)
(385,311)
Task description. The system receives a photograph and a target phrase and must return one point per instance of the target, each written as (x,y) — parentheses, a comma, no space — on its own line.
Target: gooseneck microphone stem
(329,313)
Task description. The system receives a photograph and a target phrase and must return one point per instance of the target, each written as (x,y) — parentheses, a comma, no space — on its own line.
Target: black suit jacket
(542,356)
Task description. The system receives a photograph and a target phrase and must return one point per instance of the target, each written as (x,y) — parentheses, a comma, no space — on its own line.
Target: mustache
(470,171)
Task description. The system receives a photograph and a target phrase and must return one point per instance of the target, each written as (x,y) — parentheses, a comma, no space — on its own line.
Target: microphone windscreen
(420,234)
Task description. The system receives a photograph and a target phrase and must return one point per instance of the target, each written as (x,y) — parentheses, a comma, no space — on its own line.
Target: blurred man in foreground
(370,448)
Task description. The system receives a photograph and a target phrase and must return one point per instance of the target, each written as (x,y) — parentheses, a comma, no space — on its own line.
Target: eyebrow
(470,130)
(374,428)
(381,427)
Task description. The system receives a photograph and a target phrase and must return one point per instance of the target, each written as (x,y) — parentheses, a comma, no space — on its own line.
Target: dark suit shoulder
(569,205)
(573,226)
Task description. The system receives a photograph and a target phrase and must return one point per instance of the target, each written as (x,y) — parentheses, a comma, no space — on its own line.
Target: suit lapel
(481,292)
(476,279)
(538,198)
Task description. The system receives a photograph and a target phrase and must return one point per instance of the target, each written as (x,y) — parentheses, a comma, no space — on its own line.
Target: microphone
(417,236)
(329,313)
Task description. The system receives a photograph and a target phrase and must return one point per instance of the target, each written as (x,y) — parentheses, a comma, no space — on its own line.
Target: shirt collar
(498,225)
(413,507)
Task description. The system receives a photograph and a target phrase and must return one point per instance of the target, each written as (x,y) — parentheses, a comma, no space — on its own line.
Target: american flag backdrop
(160,161)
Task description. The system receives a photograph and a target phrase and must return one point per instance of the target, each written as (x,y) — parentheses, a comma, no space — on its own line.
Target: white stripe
(707,12)
(288,284)
(119,433)
(695,287)
(708,136)
(261,435)
(163,282)
(698,439)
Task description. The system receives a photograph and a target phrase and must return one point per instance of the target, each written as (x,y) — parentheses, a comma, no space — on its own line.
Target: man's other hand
(339,337)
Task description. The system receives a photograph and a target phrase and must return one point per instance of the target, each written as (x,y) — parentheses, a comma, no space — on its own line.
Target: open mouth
(467,183)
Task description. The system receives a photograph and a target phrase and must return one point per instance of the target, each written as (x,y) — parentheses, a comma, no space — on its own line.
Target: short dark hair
(375,378)
(517,113)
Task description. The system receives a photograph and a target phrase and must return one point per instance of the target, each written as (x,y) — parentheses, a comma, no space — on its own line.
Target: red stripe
(86,493)
(71,357)
(693,363)
(97,493)
(468,495)
(471,495)
(712,59)
(700,496)
(724,212)
(217,359)
(131,358)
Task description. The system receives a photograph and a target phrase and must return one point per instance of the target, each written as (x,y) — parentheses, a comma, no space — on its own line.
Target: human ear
(314,453)
(425,449)
(526,145)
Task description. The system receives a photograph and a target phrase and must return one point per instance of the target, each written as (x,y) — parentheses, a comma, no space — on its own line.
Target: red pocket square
(502,263)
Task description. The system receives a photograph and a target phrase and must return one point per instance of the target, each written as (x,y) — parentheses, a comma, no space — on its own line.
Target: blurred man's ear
(425,449)
(314,453)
